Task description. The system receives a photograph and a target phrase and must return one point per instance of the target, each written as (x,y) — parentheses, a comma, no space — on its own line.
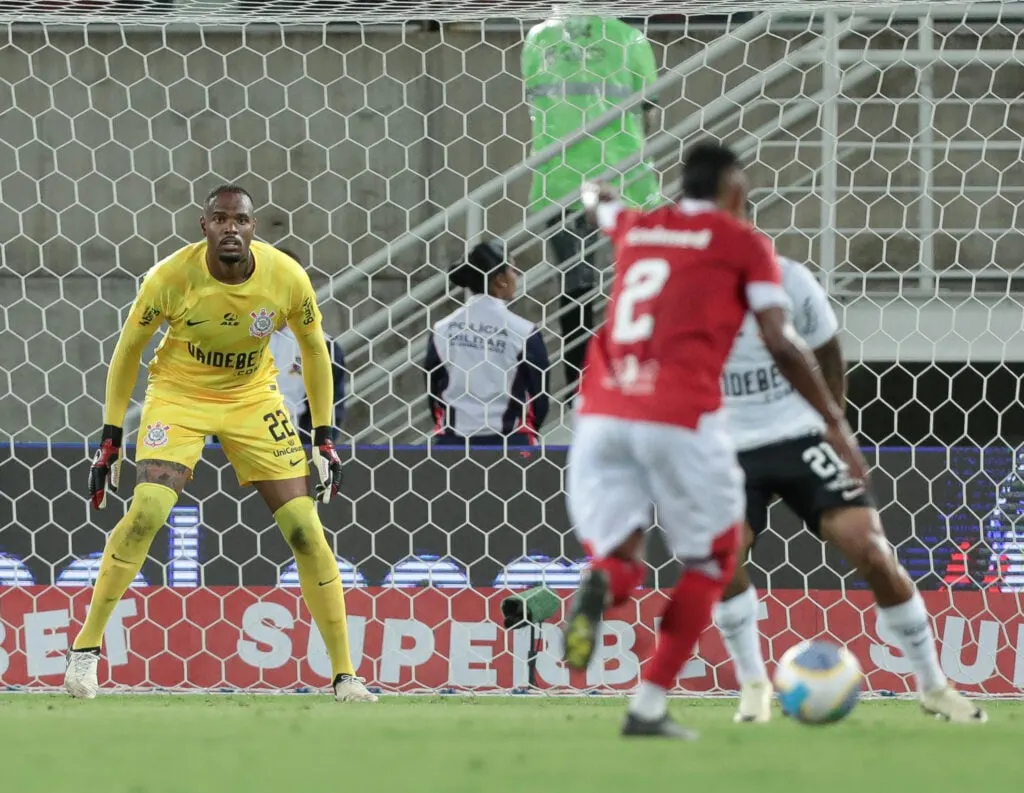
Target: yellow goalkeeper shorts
(256,433)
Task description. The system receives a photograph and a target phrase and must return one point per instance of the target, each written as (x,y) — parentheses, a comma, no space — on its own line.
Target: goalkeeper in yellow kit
(222,298)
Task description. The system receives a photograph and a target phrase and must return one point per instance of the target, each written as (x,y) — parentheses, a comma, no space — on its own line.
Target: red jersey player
(650,429)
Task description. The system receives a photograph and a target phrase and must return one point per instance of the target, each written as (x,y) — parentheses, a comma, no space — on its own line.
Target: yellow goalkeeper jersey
(215,347)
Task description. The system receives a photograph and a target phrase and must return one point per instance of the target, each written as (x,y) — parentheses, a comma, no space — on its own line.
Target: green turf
(295,744)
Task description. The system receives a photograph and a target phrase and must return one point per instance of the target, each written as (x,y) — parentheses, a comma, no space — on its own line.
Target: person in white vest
(486,367)
(285,349)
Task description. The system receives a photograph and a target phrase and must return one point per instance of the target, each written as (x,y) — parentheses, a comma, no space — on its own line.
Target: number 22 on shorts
(643,281)
(278,426)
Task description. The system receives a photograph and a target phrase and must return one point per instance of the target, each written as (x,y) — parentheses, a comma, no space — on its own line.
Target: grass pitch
(295,744)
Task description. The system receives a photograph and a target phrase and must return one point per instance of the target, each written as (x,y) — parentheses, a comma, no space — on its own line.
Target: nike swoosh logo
(293,463)
(190,322)
(116,559)
(851,494)
(325,583)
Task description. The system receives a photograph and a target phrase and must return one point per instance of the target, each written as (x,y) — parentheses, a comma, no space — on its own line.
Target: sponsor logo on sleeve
(150,314)
(308,315)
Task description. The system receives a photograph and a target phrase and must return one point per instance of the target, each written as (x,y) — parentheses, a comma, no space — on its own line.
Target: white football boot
(80,679)
(349,688)
(755,703)
(949,704)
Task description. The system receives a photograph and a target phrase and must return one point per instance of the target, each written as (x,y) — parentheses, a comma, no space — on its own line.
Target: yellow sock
(318,577)
(123,555)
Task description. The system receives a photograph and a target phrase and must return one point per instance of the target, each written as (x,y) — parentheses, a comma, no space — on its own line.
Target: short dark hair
(225,189)
(289,253)
(705,165)
(484,261)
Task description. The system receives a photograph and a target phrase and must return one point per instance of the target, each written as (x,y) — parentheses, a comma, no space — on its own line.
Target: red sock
(686,616)
(624,576)
(688,613)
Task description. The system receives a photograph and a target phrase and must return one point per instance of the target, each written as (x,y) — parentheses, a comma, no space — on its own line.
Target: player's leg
(698,489)
(610,512)
(736,619)
(157,487)
(265,452)
(296,516)
(857,532)
(166,453)
(736,615)
(158,484)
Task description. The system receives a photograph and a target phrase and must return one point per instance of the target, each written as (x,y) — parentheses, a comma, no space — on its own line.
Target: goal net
(884,145)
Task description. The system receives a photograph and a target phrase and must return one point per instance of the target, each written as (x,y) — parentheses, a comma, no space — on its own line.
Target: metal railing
(837,83)
(713,117)
(367,332)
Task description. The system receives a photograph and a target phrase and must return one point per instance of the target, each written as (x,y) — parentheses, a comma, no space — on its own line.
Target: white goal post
(884,142)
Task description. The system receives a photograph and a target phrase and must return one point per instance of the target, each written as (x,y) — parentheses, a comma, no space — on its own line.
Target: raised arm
(601,205)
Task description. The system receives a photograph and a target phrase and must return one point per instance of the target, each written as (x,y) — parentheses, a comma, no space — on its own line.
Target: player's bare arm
(797,365)
(833,369)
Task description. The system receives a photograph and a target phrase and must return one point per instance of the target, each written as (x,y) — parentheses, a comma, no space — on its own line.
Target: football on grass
(818,682)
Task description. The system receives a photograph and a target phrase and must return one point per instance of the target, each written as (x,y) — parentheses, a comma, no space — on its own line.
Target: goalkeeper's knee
(151,506)
(301,526)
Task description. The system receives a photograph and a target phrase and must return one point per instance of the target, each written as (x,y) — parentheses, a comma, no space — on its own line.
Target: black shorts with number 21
(806,473)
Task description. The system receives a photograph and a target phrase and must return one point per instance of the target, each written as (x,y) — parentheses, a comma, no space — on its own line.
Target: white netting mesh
(402,11)
(885,148)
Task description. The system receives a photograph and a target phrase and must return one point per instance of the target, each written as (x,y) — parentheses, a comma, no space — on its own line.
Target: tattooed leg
(156,492)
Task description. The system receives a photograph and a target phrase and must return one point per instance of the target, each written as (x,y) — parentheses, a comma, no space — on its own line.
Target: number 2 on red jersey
(642,281)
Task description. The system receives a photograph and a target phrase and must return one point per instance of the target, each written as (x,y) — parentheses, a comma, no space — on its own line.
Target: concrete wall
(108,140)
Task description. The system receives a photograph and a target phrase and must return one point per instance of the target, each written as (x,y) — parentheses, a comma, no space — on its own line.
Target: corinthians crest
(156,435)
(262,323)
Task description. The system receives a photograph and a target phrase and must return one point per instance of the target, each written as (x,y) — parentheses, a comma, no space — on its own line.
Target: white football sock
(736,619)
(650,702)
(911,630)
